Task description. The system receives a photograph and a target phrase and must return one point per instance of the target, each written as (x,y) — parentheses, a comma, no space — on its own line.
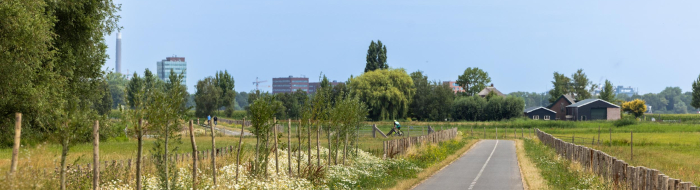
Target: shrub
(624,122)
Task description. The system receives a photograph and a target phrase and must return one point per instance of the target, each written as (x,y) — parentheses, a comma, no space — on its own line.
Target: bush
(624,122)
(497,108)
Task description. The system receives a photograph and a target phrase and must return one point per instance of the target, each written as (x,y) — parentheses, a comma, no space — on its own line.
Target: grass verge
(559,172)
(528,170)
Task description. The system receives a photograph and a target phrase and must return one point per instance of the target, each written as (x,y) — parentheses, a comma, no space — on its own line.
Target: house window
(546,117)
(583,118)
(535,117)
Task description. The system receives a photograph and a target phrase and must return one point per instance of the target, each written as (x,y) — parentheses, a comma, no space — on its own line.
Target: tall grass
(561,173)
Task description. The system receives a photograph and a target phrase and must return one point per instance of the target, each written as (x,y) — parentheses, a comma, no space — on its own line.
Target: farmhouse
(559,106)
(540,112)
(485,92)
(593,109)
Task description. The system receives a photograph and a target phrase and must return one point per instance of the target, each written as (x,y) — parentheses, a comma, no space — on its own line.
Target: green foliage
(473,80)
(432,154)
(475,108)
(561,85)
(117,84)
(207,97)
(166,114)
(607,93)
(469,108)
(635,107)
(262,112)
(104,104)
(228,95)
(432,101)
(578,84)
(386,92)
(582,86)
(532,98)
(292,103)
(696,94)
(376,57)
(242,100)
(624,122)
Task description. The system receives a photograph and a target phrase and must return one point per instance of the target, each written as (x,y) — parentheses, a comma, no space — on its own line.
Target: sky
(648,45)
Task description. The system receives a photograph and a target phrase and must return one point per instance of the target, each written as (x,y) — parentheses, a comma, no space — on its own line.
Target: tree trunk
(194,158)
(15,148)
(96,156)
(213,155)
(165,156)
(299,148)
(308,130)
(139,154)
(238,153)
(318,146)
(64,153)
(328,131)
(345,148)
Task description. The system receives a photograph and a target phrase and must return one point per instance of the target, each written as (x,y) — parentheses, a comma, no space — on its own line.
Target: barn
(593,109)
(538,113)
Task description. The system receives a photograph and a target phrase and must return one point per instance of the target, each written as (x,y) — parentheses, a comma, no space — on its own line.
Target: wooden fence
(612,169)
(398,146)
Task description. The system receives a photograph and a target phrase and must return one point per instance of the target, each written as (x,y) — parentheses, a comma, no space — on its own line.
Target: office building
(289,84)
(292,84)
(174,63)
(455,88)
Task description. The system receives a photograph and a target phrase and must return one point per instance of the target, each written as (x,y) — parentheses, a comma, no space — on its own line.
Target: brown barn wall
(557,108)
(613,113)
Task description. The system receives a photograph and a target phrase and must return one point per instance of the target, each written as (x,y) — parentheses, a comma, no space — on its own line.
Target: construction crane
(257,82)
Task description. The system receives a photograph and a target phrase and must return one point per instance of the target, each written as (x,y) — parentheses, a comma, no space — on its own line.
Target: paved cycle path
(490,164)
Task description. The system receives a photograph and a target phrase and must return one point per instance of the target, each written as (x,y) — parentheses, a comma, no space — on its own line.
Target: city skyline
(647,45)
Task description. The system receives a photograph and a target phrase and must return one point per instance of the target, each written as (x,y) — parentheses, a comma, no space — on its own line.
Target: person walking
(215,120)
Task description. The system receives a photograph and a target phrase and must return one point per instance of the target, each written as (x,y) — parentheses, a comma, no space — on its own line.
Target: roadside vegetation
(561,173)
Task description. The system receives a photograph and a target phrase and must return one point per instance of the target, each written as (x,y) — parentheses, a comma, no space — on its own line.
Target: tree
(207,97)
(473,80)
(117,84)
(104,104)
(561,85)
(262,111)
(432,100)
(376,56)
(228,94)
(532,98)
(607,93)
(636,107)
(242,100)
(386,92)
(696,94)
(166,114)
(582,86)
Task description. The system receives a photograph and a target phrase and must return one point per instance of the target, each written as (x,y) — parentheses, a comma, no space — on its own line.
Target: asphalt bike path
(490,164)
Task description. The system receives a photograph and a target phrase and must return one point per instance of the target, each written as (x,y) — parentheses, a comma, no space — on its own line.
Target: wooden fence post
(213,154)
(289,146)
(631,146)
(238,152)
(610,137)
(15,147)
(274,131)
(96,155)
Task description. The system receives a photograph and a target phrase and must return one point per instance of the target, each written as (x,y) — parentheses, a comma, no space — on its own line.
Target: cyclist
(398,128)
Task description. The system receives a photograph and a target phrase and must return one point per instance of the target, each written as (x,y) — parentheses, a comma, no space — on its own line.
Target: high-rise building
(452,84)
(289,84)
(174,63)
(118,63)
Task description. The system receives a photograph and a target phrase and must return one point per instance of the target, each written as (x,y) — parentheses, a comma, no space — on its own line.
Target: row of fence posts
(398,146)
(612,169)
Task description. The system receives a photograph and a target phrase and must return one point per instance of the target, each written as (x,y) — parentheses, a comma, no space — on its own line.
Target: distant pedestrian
(215,120)
(208,117)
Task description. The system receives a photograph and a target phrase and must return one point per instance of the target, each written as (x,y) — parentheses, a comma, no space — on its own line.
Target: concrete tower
(118,66)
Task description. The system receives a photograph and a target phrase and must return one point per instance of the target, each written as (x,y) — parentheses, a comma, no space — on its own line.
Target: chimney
(491,84)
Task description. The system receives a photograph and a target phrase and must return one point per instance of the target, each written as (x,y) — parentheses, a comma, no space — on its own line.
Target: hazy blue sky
(644,44)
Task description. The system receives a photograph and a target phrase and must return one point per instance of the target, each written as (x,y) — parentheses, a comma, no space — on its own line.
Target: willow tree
(386,92)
